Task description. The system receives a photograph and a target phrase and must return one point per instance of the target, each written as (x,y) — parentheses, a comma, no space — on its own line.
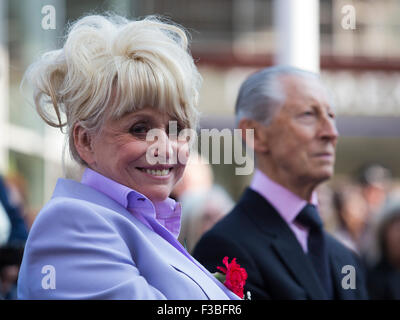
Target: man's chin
(324,175)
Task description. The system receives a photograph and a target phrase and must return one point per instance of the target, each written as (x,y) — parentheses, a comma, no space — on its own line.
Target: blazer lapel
(284,242)
(183,262)
(189,266)
(228,292)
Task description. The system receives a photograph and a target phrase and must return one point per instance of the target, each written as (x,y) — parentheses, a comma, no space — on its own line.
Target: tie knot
(309,217)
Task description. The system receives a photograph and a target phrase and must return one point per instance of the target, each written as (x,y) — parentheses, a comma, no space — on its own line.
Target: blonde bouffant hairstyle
(110,66)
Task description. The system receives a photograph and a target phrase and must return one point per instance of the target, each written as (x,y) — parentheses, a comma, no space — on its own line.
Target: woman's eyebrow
(143,117)
(148,118)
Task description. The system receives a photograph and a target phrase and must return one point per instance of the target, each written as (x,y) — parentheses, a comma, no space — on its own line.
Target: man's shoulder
(234,221)
(234,236)
(237,228)
(68,208)
(335,244)
(251,215)
(339,249)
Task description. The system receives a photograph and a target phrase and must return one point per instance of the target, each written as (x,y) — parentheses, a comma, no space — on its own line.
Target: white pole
(44,34)
(297,31)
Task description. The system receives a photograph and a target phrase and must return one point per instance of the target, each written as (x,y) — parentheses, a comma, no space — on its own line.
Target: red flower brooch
(235,276)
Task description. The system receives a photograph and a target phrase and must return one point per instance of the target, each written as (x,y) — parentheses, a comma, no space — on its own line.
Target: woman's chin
(157,195)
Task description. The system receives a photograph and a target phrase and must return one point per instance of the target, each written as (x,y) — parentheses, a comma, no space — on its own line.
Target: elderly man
(275,230)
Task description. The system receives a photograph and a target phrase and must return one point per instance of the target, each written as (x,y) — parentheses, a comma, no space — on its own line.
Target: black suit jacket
(276,264)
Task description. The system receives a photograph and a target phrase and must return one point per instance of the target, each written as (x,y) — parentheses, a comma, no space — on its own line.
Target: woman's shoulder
(61,214)
(68,214)
(61,205)
(71,198)
(67,223)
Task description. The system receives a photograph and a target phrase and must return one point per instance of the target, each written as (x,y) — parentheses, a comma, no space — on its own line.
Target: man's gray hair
(261,95)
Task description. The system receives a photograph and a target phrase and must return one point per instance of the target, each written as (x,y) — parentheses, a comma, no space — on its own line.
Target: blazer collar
(283,241)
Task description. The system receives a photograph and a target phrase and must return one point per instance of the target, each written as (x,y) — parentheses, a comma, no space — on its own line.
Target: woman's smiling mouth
(159,172)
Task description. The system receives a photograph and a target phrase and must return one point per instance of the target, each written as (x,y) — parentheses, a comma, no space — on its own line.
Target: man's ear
(260,142)
(83,143)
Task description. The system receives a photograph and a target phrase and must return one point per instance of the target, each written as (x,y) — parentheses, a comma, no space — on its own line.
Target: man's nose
(328,129)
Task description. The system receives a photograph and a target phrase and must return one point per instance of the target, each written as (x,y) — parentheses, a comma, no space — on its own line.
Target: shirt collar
(167,212)
(284,201)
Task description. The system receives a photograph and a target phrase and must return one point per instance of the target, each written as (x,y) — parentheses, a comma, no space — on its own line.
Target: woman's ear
(260,140)
(83,143)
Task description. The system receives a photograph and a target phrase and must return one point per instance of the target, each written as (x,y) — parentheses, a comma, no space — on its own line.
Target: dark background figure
(384,276)
(11,251)
(10,261)
(351,214)
(376,183)
(375,180)
(19,231)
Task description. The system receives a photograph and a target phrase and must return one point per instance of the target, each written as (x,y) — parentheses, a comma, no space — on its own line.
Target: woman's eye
(139,129)
(179,127)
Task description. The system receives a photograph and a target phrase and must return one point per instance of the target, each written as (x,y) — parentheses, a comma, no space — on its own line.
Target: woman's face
(123,152)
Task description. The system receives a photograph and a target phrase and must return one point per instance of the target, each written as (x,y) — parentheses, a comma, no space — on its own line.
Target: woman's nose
(162,149)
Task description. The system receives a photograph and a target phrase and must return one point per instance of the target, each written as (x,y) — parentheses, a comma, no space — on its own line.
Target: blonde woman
(113,235)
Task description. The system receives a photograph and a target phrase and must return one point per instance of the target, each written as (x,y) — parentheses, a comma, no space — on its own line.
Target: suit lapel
(336,263)
(284,242)
(300,266)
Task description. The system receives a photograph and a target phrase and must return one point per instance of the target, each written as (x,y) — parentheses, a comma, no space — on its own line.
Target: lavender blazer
(84,245)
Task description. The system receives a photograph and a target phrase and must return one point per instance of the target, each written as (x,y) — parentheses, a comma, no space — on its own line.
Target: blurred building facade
(230,40)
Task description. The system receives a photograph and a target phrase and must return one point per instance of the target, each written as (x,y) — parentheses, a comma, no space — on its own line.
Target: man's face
(301,139)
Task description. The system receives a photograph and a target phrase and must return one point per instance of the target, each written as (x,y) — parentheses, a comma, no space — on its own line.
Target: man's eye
(308,113)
